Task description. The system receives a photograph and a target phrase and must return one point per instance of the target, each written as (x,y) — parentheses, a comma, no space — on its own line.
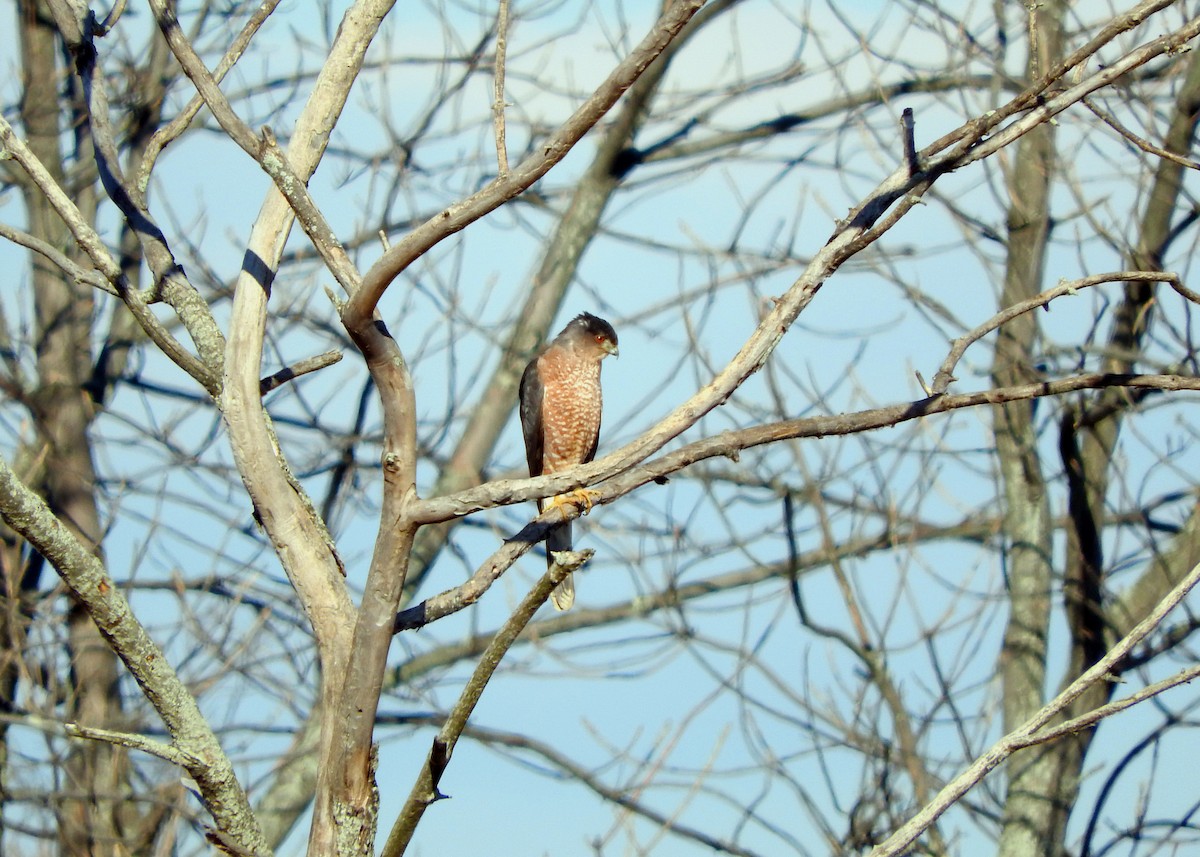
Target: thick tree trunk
(1028,808)
(63,410)
(1093,623)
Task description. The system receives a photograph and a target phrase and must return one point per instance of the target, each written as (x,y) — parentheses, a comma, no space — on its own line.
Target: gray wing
(531,416)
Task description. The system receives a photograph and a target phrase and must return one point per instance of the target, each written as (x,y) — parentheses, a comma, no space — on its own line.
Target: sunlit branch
(1022,737)
(498,97)
(945,372)
(301,367)
(425,790)
(729,444)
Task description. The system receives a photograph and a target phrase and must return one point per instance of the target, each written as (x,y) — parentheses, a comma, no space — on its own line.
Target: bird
(560,418)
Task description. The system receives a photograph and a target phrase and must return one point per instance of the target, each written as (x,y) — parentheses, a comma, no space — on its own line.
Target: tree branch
(458,216)
(945,373)
(597,474)
(90,243)
(301,367)
(200,751)
(425,790)
(1023,736)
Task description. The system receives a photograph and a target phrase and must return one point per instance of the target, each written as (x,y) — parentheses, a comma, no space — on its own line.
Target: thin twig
(498,102)
(302,367)
(60,260)
(617,795)
(167,752)
(1142,143)
(945,373)
(908,133)
(899,842)
(169,277)
(1091,718)
(425,790)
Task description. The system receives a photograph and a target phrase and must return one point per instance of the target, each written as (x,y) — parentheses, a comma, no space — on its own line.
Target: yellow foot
(581,497)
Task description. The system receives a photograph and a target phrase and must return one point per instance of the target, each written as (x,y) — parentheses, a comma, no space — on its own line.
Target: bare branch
(170,132)
(87,240)
(303,367)
(498,97)
(425,789)
(1142,143)
(166,752)
(225,799)
(945,373)
(899,842)
(728,444)
(1091,718)
(61,261)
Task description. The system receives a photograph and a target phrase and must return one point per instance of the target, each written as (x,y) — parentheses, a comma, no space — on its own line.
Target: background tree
(834,606)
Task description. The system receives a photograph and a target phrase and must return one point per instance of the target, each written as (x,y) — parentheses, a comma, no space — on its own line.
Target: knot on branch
(569,561)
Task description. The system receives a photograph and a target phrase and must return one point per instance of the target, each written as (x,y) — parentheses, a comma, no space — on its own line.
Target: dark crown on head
(594,325)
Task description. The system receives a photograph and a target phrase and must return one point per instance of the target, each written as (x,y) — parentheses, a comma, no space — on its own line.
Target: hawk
(560,418)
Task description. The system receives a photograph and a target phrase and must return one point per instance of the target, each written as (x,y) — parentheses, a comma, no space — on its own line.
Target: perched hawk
(560,417)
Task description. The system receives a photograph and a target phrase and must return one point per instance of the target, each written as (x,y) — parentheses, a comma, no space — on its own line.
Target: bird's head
(592,332)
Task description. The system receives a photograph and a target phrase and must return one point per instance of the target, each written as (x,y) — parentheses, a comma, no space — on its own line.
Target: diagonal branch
(425,789)
(1027,733)
(460,215)
(90,243)
(87,578)
(170,132)
(891,200)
